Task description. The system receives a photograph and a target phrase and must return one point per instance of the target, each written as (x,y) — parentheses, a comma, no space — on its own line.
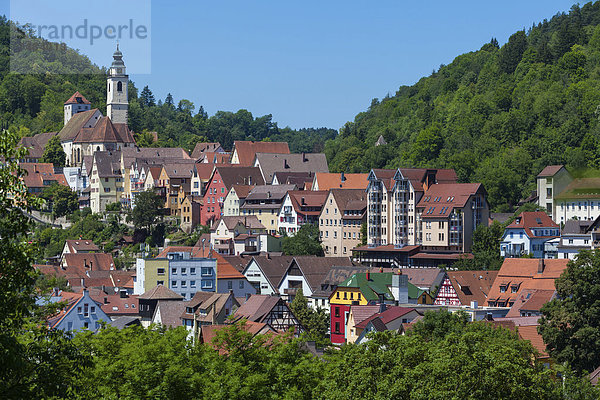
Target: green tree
(304,243)
(147,210)
(54,153)
(62,199)
(314,321)
(570,324)
(36,363)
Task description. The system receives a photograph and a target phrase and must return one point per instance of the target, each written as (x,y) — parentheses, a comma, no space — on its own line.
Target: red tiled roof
(202,148)
(472,285)
(117,305)
(246,150)
(77,98)
(81,245)
(528,220)
(38,173)
(308,198)
(326,181)
(440,199)
(523,272)
(89,261)
(391,314)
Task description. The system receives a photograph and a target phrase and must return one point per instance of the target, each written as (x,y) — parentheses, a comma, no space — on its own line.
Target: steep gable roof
(472,285)
(242,191)
(170,312)
(529,220)
(236,175)
(246,150)
(89,261)
(202,148)
(75,124)
(308,198)
(103,132)
(350,199)
(424,277)
(249,221)
(41,174)
(257,307)
(270,163)
(108,164)
(315,269)
(264,192)
(179,169)
(387,316)
(77,98)
(273,268)
(335,276)
(378,283)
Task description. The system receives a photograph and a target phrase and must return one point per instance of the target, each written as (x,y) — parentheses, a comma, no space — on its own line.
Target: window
(173,271)
(79,310)
(206,271)
(207,284)
(337,311)
(183,283)
(174,284)
(337,327)
(86,311)
(229,285)
(193,271)
(93,310)
(183,271)
(241,284)
(86,325)
(193,284)
(160,282)
(502,288)
(160,271)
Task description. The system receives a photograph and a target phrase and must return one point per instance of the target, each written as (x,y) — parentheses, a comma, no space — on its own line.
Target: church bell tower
(117,101)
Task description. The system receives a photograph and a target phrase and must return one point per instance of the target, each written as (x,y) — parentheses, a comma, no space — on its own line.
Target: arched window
(97,148)
(78,155)
(119,86)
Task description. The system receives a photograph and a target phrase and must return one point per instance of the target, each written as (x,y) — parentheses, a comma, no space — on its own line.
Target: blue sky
(309,63)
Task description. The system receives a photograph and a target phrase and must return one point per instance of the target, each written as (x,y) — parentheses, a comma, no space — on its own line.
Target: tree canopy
(54,153)
(305,242)
(570,324)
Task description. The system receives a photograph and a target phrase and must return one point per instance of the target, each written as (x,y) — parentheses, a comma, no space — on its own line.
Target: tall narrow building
(117,101)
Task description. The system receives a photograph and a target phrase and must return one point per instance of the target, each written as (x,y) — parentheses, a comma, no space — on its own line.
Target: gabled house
(80,246)
(356,315)
(106,180)
(39,176)
(427,279)
(117,305)
(201,148)
(265,272)
(270,310)
(215,158)
(168,313)
(200,177)
(264,202)
(550,182)
(307,273)
(235,199)
(530,303)
(270,163)
(341,219)
(519,274)
(300,207)
(335,276)
(528,234)
(81,312)
(207,309)
(230,280)
(465,288)
(363,289)
(390,319)
(244,152)
(219,184)
(35,146)
(148,302)
(173,178)
(237,235)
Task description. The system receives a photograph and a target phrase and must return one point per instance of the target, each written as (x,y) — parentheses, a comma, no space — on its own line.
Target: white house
(529,234)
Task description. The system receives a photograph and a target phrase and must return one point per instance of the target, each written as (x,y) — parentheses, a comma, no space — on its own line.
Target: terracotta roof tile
(550,170)
(440,199)
(326,181)
(246,150)
(202,147)
(77,98)
(270,163)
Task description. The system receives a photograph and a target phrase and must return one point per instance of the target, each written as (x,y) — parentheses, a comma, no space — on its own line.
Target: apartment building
(341,219)
(106,181)
(300,207)
(235,198)
(392,198)
(448,214)
(264,202)
(529,233)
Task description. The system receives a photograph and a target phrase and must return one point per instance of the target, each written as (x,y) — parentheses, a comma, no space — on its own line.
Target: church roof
(103,132)
(77,98)
(123,132)
(75,124)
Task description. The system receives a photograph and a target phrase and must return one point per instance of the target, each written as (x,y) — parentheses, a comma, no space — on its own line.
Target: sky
(308,63)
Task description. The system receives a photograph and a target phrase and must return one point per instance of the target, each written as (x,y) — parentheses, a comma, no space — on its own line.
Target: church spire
(117,102)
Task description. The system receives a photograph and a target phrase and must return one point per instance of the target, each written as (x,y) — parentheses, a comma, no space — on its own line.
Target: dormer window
(503,288)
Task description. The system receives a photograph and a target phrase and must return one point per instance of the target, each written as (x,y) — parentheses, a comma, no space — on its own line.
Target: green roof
(379,283)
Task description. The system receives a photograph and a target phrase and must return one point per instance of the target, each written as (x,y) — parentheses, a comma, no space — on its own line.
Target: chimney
(268,256)
(55,292)
(304,159)
(106,300)
(303,202)
(269,194)
(249,180)
(343,178)
(285,164)
(400,288)
(248,296)
(85,263)
(541,266)
(368,275)
(382,307)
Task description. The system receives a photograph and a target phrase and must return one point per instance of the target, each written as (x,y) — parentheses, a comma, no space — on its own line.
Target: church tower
(117,101)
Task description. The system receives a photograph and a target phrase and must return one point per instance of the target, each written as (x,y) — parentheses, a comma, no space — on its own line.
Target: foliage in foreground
(444,357)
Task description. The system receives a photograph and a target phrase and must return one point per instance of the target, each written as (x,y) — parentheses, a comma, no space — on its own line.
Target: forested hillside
(33,103)
(496,115)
